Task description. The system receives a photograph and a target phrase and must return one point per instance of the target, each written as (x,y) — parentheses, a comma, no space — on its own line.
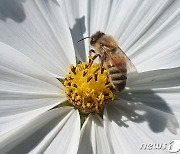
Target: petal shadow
(77,32)
(12,9)
(144,104)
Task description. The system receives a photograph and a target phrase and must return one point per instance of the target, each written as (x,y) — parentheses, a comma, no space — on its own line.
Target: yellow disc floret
(88,87)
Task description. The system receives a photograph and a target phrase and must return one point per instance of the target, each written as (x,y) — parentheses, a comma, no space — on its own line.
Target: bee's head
(95,37)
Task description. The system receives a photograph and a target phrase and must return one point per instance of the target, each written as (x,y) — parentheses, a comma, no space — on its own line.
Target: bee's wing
(130,66)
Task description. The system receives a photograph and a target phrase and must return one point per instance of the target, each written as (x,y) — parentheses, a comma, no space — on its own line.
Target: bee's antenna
(83,39)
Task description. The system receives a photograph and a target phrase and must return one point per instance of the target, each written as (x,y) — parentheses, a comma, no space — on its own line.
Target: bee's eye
(92,41)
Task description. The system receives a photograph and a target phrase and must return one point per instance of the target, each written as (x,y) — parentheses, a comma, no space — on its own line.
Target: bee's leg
(90,54)
(98,55)
(91,51)
(93,58)
(103,58)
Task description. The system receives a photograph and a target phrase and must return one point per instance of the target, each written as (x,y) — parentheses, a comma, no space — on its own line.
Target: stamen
(84,73)
(95,77)
(73,69)
(88,88)
(89,79)
(75,85)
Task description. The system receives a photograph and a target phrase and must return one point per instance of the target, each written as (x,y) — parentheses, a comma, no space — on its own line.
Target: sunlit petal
(38,29)
(93,138)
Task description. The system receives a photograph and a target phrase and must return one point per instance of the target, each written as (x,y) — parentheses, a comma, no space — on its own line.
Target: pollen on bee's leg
(88,88)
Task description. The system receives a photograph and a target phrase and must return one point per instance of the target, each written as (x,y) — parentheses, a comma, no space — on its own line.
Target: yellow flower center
(88,88)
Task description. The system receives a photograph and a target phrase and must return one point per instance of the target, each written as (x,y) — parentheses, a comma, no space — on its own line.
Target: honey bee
(116,61)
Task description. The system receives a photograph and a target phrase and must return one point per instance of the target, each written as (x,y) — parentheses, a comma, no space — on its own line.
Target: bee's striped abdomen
(118,75)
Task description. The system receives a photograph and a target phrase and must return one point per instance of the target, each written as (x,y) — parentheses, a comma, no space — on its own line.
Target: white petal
(67,139)
(26,90)
(24,86)
(120,17)
(99,15)
(93,138)
(38,29)
(153,80)
(130,125)
(51,132)
(155,37)
(160,54)
(12,122)
(14,60)
(148,31)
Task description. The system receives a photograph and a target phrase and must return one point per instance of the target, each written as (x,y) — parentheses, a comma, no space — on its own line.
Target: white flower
(36,48)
